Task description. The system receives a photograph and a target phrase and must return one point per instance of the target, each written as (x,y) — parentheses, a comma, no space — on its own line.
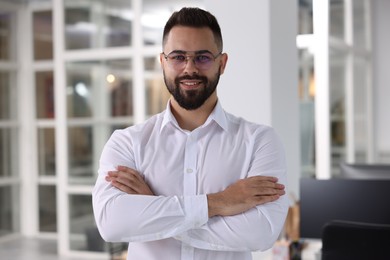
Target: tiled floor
(30,249)
(44,249)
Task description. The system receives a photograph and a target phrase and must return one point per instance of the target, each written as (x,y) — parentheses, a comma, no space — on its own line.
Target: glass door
(335,85)
(112,79)
(350,82)
(9,125)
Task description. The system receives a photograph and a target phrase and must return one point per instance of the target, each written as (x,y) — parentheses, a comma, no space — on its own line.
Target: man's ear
(223,62)
(161,60)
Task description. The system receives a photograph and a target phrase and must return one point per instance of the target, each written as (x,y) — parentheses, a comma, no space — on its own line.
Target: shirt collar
(168,116)
(218,115)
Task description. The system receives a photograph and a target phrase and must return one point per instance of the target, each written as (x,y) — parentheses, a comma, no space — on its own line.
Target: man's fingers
(125,175)
(262,185)
(126,185)
(123,187)
(122,177)
(130,171)
(129,181)
(266,181)
(262,178)
(125,169)
(265,199)
(267,192)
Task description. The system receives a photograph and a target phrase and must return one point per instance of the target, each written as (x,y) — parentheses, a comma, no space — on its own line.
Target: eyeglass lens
(202,61)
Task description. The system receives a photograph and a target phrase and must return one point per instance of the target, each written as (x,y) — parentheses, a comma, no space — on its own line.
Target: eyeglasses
(203,60)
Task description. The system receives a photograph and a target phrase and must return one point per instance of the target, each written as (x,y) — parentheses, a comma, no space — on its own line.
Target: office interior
(73,71)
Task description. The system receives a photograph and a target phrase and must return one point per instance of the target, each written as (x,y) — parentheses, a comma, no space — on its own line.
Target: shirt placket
(190,179)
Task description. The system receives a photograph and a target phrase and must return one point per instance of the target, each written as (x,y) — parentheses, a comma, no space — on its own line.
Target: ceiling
(23,1)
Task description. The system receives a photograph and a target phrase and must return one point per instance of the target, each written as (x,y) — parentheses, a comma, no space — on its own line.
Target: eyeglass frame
(196,53)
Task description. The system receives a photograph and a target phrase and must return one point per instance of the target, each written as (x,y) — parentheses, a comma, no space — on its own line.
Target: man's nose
(190,67)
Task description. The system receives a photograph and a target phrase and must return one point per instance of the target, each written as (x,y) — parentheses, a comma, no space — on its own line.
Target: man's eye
(203,58)
(178,57)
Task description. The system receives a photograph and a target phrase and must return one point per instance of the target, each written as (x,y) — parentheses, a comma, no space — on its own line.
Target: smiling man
(193,182)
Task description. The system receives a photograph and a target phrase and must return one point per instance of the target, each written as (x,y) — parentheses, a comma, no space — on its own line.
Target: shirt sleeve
(121,217)
(258,228)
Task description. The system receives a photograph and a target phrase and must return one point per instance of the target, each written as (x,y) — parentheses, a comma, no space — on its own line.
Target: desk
(312,251)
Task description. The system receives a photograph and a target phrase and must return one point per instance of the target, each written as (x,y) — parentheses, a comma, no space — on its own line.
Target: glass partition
(6,35)
(8,134)
(337,85)
(47,208)
(156,13)
(305,17)
(8,92)
(44,85)
(361,104)
(80,147)
(9,219)
(43,35)
(350,84)
(97,23)
(336,19)
(9,127)
(9,152)
(46,152)
(99,88)
(85,145)
(360,24)
(157,94)
(82,225)
(154,16)
(306,90)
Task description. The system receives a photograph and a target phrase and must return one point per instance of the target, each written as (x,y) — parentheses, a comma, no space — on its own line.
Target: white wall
(260,81)
(381,73)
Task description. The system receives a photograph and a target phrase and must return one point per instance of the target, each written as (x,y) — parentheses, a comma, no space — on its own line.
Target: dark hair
(197,18)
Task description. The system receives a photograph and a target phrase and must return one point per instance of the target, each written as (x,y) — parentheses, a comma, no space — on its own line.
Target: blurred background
(72,71)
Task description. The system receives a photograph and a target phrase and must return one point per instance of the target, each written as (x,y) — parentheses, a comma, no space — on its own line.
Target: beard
(192,99)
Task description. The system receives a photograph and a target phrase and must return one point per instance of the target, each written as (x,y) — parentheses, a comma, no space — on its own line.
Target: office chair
(347,240)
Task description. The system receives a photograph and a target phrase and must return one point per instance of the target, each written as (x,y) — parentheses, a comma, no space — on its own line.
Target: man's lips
(190,84)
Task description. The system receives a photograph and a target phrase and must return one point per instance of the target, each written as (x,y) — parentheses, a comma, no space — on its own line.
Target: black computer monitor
(342,199)
(365,171)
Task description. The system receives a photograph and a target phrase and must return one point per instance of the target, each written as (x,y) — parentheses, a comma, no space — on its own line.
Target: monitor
(341,199)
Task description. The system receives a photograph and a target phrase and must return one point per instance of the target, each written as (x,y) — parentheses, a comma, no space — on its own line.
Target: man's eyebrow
(202,51)
(185,52)
(178,51)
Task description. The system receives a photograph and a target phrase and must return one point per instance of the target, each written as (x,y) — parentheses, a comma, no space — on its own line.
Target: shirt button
(189,170)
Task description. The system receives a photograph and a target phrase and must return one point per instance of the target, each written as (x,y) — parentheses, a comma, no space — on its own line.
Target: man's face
(191,83)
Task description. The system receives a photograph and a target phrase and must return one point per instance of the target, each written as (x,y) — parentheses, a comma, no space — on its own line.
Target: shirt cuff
(196,210)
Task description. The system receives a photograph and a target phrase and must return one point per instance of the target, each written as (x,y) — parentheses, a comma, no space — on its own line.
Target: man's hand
(244,195)
(129,180)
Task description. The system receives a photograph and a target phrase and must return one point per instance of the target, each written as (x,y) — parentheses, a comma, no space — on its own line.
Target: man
(193,182)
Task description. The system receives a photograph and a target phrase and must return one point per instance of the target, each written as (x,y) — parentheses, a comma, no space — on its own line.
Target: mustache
(194,77)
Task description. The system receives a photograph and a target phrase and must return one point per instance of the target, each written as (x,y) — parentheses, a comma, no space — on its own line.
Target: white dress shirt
(181,167)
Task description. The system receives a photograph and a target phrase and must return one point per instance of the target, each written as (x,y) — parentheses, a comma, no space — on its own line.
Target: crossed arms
(235,199)
(231,221)
(248,215)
